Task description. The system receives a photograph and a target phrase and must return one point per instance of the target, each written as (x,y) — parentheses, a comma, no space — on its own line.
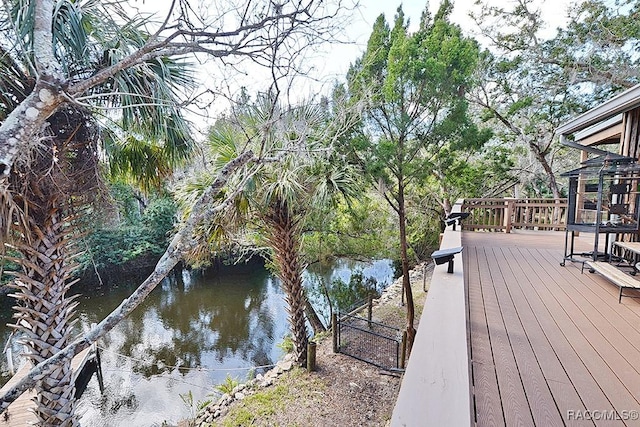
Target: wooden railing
(436,386)
(506,214)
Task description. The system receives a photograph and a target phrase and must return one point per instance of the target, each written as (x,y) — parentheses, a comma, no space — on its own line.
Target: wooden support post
(99,370)
(424,277)
(96,351)
(508,220)
(311,356)
(403,354)
(334,331)
(369,309)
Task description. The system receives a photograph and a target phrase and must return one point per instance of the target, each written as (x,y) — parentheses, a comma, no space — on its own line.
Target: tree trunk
(23,123)
(21,126)
(313,317)
(551,176)
(284,240)
(446,205)
(44,315)
(406,284)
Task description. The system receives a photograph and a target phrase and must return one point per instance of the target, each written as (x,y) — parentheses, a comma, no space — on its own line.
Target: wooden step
(615,275)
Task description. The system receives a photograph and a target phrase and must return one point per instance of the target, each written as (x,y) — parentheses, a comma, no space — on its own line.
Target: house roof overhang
(617,105)
(604,132)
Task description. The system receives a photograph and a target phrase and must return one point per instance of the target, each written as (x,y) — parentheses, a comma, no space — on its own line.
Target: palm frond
(223,143)
(15,84)
(141,162)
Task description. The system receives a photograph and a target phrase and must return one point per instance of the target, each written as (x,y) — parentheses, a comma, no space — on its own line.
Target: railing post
(424,277)
(98,360)
(10,358)
(99,369)
(334,330)
(555,216)
(369,309)
(508,216)
(311,356)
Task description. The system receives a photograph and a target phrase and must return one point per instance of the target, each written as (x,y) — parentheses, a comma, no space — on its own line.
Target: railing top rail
(436,385)
(373,322)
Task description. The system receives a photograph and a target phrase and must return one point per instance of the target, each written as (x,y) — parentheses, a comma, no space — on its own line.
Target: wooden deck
(19,413)
(549,346)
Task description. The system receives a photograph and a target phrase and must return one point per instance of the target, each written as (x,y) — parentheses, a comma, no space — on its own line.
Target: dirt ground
(342,391)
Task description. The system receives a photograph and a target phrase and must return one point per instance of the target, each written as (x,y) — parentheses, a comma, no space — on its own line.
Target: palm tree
(297,174)
(50,190)
(91,56)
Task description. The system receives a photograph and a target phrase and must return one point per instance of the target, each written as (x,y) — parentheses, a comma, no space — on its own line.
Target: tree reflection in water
(218,319)
(203,323)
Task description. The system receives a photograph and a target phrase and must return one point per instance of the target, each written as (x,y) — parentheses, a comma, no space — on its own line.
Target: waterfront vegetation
(100,171)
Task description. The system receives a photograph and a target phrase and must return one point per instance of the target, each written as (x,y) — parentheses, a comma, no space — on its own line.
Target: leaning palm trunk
(44,314)
(285,243)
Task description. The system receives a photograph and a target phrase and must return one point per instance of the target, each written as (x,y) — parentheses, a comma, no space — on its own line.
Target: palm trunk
(44,315)
(284,240)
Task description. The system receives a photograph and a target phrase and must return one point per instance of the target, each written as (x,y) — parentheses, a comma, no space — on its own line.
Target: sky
(330,64)
(553,12)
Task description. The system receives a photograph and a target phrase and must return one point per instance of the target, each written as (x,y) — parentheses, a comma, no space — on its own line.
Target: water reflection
(380,270)
(230,317)
(189,334)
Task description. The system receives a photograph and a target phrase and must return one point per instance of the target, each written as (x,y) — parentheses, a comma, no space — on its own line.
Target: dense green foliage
(415,119)
(6,266)
(416,123)
(360,229)
(140,233)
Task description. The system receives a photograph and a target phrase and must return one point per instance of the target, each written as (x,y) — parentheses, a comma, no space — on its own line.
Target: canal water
(194,330)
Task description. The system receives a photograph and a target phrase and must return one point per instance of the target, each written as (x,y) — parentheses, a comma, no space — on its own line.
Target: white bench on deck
(615,275)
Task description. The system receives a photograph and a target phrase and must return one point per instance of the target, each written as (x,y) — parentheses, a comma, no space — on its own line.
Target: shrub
(135,236)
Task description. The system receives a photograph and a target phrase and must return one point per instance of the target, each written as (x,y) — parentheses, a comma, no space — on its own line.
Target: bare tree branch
(264,31)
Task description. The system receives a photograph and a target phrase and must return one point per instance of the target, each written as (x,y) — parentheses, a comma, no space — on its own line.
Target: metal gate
(369,341)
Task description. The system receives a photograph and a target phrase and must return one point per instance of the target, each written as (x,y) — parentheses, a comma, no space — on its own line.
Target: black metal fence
(369,341)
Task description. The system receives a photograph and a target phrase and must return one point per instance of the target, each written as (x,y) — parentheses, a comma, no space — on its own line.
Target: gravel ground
(342,391)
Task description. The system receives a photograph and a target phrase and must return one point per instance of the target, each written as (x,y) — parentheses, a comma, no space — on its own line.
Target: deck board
(614,374)
(20,413)
(485,381)
(557,339)
(514,401)
(517,310)
(576,375)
